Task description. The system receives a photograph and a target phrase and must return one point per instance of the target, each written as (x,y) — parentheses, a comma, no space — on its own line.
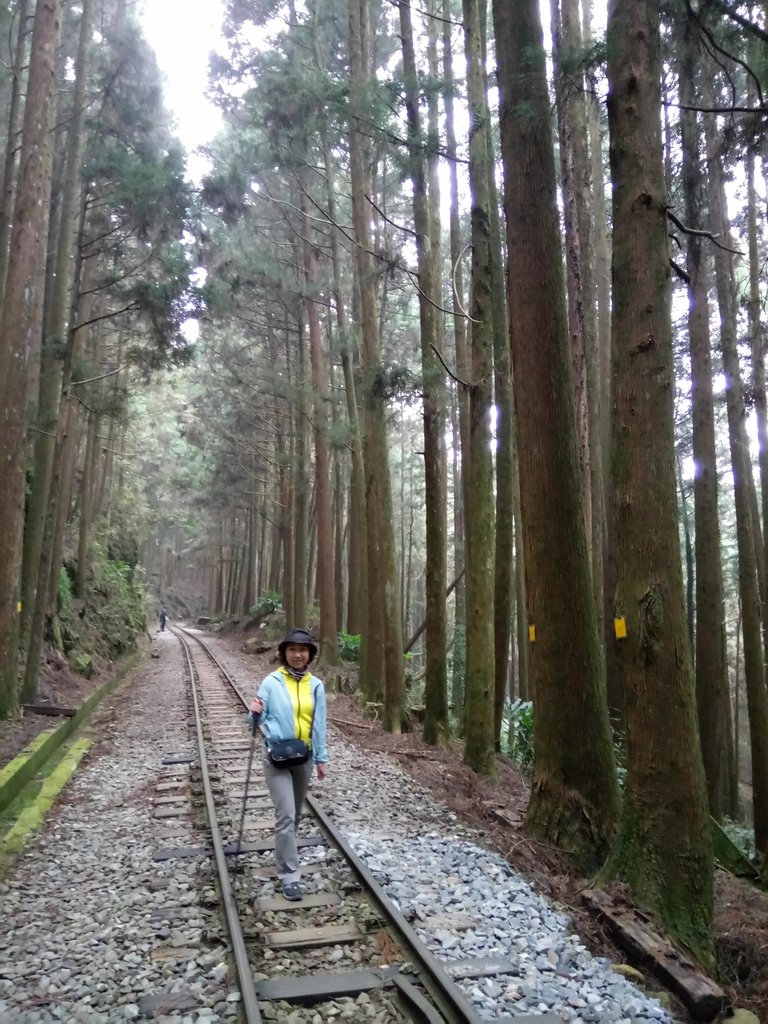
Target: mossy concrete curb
(18,772)
(33,815)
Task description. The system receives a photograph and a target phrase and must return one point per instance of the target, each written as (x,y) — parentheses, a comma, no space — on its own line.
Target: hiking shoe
(292,891)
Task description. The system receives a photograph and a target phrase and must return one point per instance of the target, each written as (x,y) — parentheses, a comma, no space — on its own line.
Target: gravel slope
(82,939)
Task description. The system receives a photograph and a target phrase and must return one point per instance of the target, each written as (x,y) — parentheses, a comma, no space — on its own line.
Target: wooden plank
(255,801)
(164,787)
(231,849)
(175,953)
(167,801)
(311,989)
(172,812)
(261,824)
(303,938)
(50,710)
(179,831)
(703,998)
(311,899)
(270,871)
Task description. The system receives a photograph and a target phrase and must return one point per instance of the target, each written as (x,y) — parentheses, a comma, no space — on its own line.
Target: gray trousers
(287,787)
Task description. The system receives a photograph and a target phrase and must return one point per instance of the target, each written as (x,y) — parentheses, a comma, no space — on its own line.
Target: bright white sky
(183,33)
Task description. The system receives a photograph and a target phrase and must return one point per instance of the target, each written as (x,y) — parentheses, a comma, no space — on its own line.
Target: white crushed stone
(78,929)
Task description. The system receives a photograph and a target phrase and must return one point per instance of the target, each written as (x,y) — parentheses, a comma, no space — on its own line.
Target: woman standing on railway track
(290,710)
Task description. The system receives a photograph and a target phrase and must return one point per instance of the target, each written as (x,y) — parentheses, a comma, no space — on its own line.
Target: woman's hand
(257,705)
(322,769)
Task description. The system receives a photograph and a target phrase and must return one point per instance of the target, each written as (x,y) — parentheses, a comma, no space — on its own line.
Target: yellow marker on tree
(620,628)
(532,634)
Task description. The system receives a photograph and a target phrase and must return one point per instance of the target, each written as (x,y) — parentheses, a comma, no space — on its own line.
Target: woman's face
(297,656)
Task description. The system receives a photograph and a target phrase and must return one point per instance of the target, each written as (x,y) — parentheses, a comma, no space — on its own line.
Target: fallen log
(355,725)
(49,709)
(704,999)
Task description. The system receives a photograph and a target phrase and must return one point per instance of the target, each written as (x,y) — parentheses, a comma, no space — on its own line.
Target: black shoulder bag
(293,752)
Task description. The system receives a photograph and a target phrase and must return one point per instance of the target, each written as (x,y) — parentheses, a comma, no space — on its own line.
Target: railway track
(344,916)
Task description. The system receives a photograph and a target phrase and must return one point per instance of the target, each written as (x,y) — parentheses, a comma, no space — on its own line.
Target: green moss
(81,663)
(673,887)
(15,775)
(21,770)
(36,801)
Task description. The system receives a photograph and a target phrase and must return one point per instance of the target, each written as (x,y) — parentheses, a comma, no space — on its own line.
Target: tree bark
(749,568)
(329,653)
(357,575)
(574,800)
(20,314)
(54,348)
(663,850)
(383,637)
(711,678)
(299,475)
(436,727)
(12,141)
(478,506)
(461,433)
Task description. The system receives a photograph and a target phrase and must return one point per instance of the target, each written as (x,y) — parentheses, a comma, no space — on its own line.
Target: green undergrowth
(108,622)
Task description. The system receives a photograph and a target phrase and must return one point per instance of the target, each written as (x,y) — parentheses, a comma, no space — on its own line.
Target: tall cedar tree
(574,802)
(20,319)
(326,583)
(478,508)
(747,522)
(710,648)
(663,849)
(383,652)
(35,568)
(436,728)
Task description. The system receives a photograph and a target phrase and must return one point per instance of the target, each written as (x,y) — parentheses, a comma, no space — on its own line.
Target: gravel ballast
(87,938)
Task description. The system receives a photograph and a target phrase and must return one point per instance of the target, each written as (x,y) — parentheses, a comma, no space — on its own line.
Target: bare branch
(701,234)
(90,380)
(398,227)
(450,372)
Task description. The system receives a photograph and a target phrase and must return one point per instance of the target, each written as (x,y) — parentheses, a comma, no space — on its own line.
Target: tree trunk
(12,141)
(436,728)
(383,637)
(86,507)
(575,798)
(711,689)
(754,306)
(749,569)
(54,348)
(461,433)
(478,506)
(565,87)
(329,653)
(356,561)
(300,476)
(663,850)
(505,442)
(20,314)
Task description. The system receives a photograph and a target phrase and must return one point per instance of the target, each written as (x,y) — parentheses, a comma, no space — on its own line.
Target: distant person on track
(290,710)
(163,616)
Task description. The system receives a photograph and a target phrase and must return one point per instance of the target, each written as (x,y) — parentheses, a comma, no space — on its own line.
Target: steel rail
(454,1007)
(448,997)
(250,1003)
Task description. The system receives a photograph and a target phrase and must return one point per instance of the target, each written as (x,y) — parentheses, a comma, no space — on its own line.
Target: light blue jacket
(277,721)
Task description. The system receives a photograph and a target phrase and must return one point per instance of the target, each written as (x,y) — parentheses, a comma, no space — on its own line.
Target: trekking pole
(247,780)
